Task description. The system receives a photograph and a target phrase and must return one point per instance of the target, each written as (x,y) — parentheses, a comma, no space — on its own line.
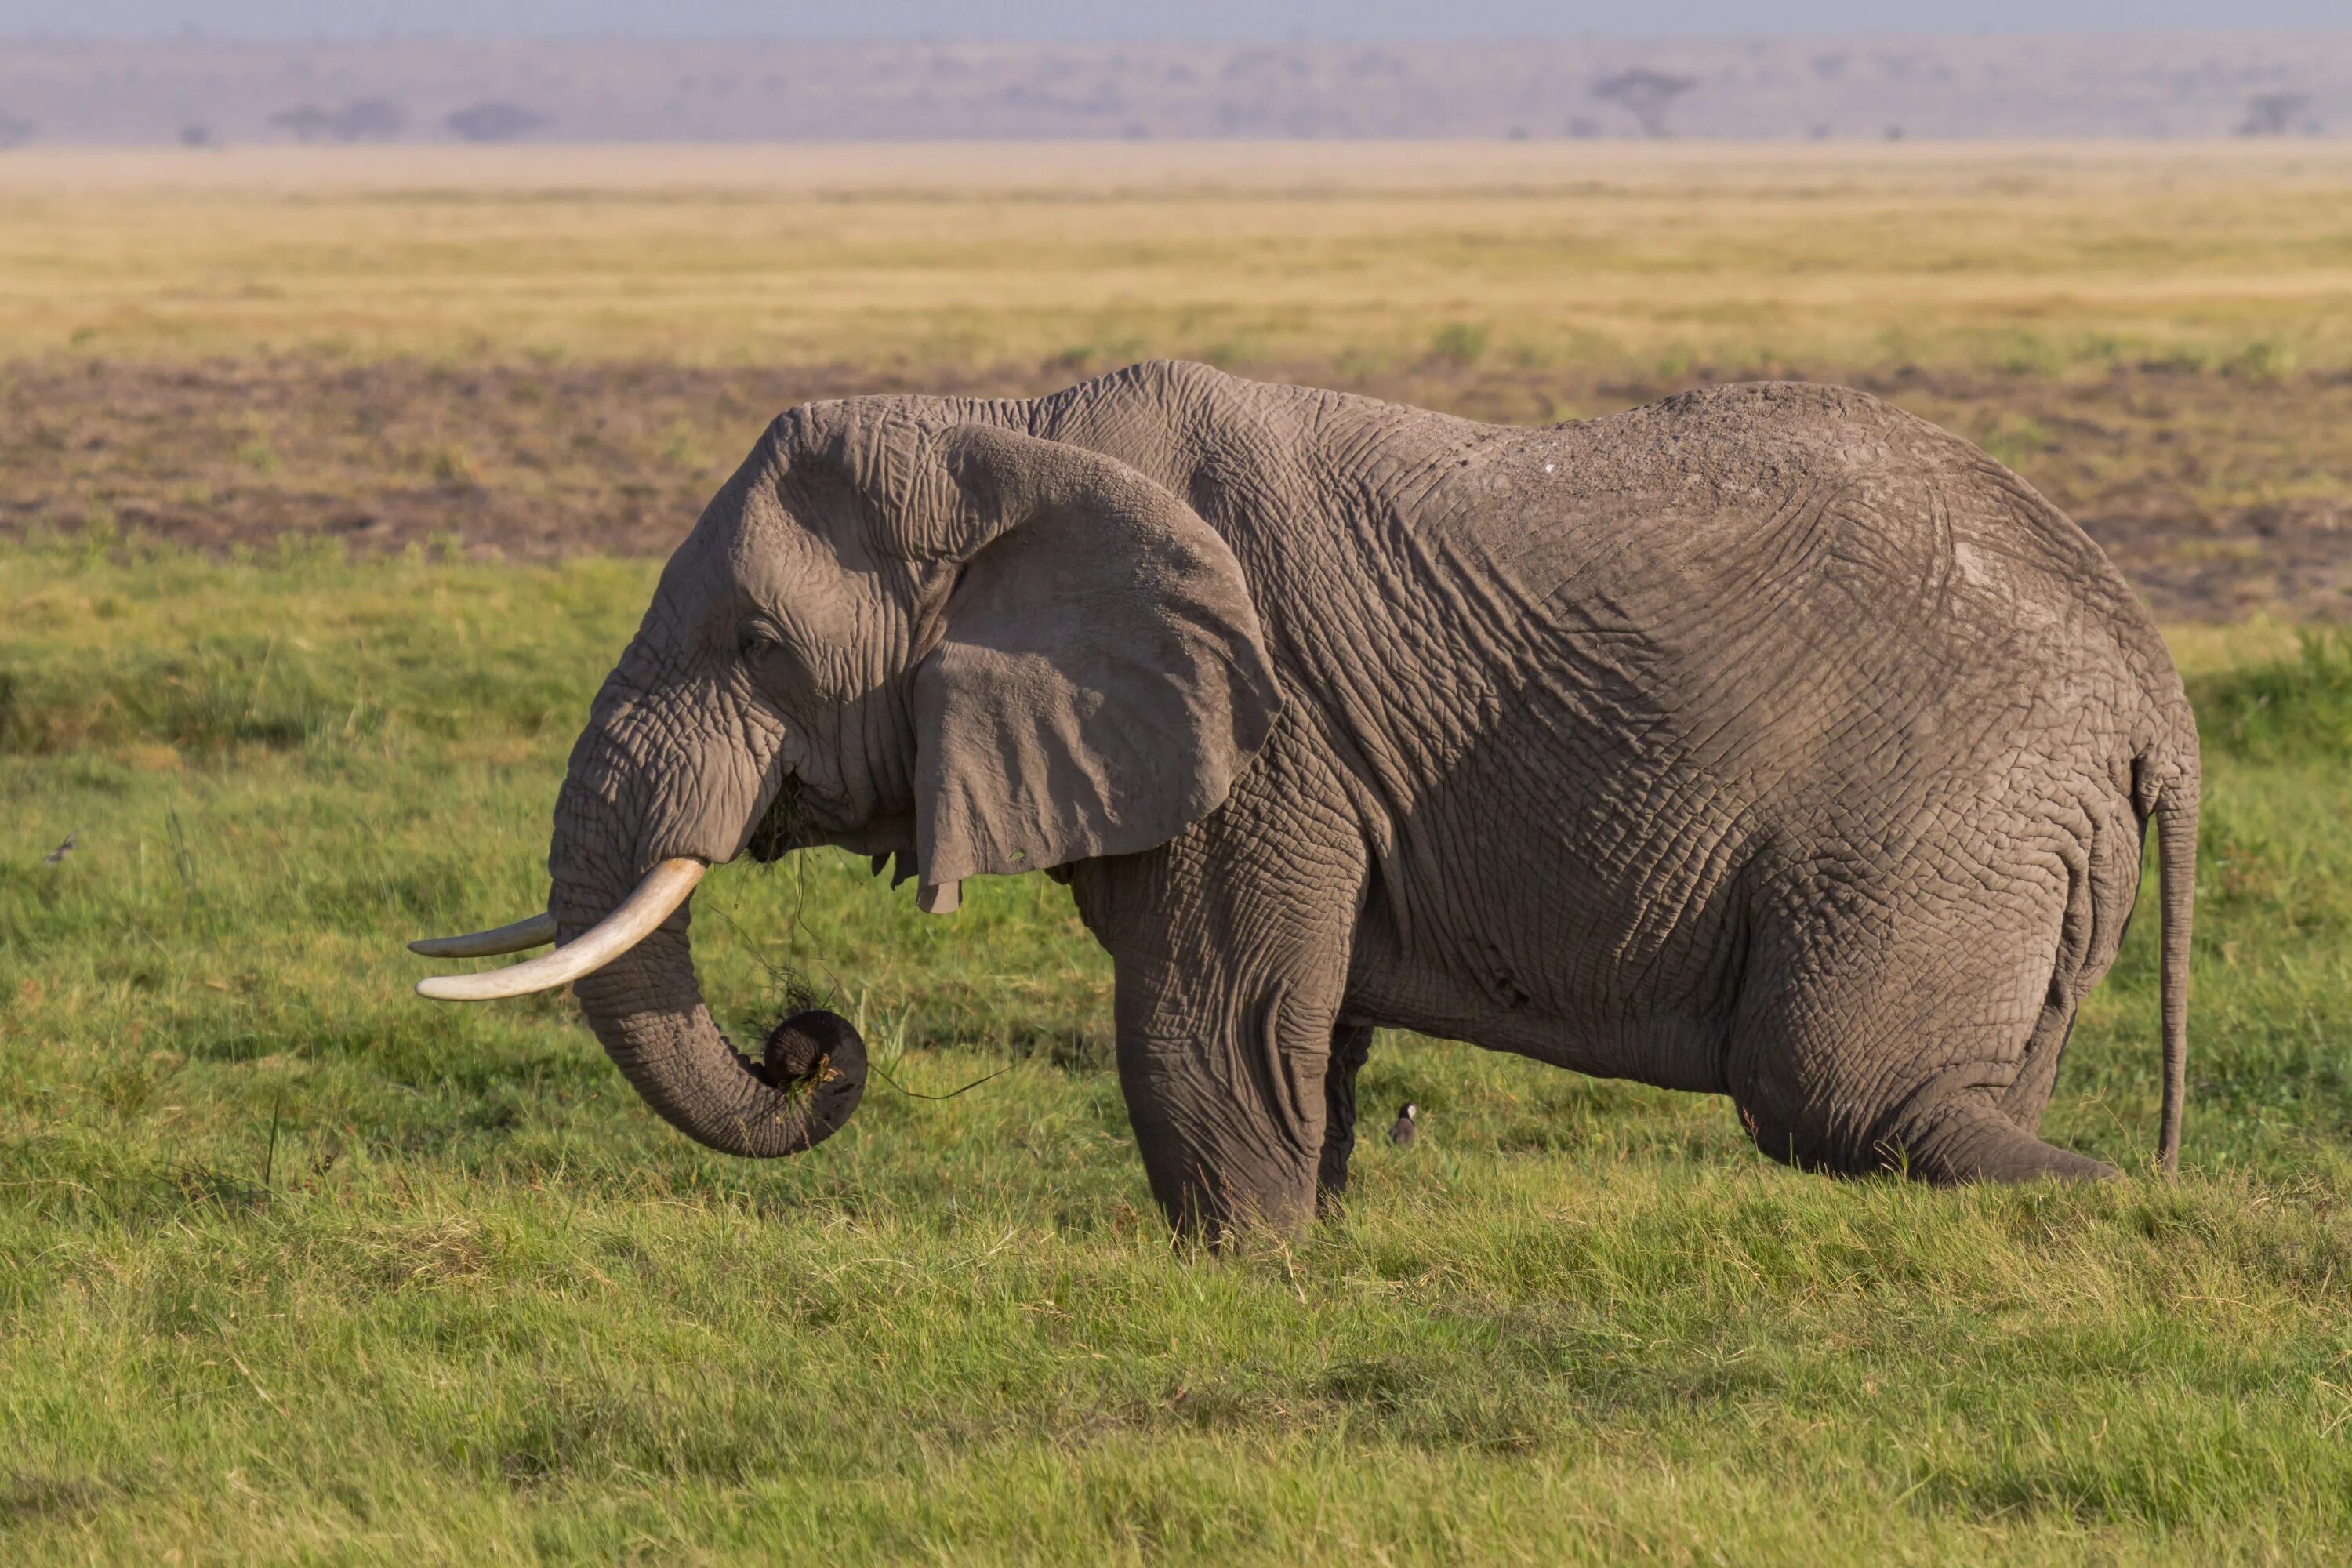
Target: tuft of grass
(452,464)
(2262,360)
(1461,343)
(296,1266)
(2300,707)
(2017,440)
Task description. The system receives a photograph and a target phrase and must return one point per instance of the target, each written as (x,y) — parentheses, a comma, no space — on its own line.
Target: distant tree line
(360,120)
(380,120)
(2279,114)
(1645,94)
(494,122)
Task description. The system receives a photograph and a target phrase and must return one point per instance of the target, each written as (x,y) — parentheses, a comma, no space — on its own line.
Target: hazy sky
(1111,19)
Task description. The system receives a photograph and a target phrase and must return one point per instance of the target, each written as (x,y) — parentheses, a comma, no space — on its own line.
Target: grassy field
(295,1267)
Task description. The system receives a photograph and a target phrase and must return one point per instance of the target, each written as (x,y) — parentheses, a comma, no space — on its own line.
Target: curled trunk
(646,1007)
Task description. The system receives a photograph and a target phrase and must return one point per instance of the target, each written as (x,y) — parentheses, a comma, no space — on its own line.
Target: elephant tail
(2175,840)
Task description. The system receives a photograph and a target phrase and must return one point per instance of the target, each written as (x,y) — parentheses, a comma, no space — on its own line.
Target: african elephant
(1766,742)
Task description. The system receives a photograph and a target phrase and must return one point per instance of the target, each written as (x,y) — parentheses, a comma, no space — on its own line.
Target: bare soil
(2220,496)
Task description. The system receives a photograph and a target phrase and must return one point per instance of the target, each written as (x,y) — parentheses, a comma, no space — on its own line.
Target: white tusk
(536,931)
(665,887)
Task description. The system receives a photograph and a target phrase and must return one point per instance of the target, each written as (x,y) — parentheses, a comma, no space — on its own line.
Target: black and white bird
(1408,1126)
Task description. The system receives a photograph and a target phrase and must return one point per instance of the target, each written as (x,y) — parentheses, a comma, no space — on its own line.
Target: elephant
(1764,740)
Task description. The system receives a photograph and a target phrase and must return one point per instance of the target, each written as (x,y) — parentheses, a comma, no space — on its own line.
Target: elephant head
(953,643)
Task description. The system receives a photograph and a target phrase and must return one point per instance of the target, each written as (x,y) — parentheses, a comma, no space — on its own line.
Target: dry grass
(1602,255)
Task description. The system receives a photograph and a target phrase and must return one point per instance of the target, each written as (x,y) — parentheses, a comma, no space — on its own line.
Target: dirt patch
(524,460)
(2219,496)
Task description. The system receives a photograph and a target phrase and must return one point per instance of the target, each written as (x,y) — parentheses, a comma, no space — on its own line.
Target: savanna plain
(330,484)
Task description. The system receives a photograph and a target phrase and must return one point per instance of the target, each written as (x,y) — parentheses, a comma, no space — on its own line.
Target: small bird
(1408,1126)
(57,856)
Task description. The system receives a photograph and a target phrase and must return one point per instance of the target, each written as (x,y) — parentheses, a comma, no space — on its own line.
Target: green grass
(295,1267)
(2298,708)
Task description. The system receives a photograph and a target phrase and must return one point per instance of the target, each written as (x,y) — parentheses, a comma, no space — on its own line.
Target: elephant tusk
(536,931)
(665,888)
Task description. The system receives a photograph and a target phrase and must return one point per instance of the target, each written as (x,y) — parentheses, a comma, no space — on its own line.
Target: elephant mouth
(784,827)
(799,818)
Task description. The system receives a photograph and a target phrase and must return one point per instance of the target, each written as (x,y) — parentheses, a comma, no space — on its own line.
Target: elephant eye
(773,664)
(754,638)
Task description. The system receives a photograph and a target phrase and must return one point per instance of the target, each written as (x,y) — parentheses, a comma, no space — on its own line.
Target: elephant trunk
(647,1008)
(645,1005)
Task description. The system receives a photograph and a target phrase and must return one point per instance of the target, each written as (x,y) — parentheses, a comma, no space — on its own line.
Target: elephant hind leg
(1919,1034)
(1994,1137)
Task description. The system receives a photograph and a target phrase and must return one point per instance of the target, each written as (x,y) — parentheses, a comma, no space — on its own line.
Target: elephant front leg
(1228,1098)
(1350,1046)
(1232,961)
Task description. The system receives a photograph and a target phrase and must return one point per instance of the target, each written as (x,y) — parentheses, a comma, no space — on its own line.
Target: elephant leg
(1350,1044)
(1951,1128)
(1227,1107)
(1231,945)
(1968,1135)
(1918,1034)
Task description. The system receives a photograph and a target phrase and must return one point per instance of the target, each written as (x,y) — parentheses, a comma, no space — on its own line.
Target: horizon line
(1297,39)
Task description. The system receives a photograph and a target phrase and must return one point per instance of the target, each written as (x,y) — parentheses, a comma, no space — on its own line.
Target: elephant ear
(1100,680)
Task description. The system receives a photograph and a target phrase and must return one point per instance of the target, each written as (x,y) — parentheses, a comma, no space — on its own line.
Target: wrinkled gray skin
(1765,742)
